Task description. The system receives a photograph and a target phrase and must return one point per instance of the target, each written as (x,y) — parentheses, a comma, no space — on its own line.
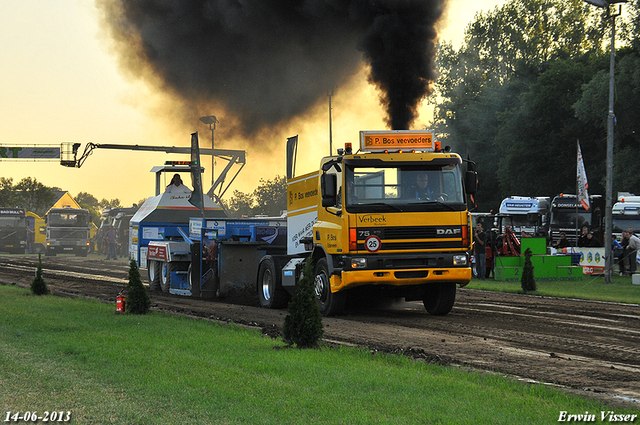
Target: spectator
(563,242)
(592,241)
(480,251)
(583,240)
(624,243)
(112,240)
(633,247)
(617,251)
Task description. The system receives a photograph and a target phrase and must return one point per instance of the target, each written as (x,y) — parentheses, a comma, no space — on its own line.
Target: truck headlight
(460,260)
(358,263)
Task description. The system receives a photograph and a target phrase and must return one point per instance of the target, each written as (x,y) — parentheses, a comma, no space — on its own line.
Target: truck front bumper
(402,270)
(351,279)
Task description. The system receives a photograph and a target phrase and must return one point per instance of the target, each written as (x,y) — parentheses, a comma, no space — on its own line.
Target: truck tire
(165,276)
(330,303)
(270,293)
(39,248)
(439,298)
(50,253)
(153,274)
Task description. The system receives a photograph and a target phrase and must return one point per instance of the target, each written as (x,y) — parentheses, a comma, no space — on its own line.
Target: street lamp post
(608,222)
(330,94)
(212,121)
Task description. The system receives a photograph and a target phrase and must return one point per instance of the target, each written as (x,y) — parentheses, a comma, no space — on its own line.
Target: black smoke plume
(268,61)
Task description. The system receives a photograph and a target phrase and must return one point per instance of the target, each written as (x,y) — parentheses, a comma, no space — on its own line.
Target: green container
(570,272)
(504,261)
(508,273)
(538,246)
(547,267)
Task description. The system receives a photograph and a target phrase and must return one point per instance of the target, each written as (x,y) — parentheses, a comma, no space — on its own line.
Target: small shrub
(303,324)
(138,301)
(38,287)
(527,280)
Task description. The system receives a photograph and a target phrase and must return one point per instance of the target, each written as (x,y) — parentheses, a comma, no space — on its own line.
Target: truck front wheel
(165,276)
(270,293)
(439,298)
(153,273)
(330,303)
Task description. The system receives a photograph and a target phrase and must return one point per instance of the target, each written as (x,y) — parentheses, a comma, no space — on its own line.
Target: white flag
(583,185)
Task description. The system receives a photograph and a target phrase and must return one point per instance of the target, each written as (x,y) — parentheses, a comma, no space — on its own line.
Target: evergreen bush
(38,287)
(137,301)
(527,280)
(303,324)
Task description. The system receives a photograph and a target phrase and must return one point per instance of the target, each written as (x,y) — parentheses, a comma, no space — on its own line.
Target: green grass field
(588,288)
(78,355)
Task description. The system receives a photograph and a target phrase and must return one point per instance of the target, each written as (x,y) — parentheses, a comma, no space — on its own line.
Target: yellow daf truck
(389,219)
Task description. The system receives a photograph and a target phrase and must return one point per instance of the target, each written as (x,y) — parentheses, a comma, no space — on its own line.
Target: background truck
(526,216)
(13,230)
(362,218)
(68,231)
(36,233)
(569,216)
(626,213)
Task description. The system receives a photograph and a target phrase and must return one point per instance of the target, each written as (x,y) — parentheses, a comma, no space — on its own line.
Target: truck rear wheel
(165,276)
(330,303)
(270,293)
(153,273)
(439,298)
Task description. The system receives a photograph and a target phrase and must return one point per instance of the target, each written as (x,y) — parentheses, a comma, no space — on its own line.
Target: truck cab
(526,216)
(626,213)
(13,230)
(68,231)
(390,218)
(569,216)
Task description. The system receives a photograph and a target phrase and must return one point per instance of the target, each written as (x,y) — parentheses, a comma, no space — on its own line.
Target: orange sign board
(383,140)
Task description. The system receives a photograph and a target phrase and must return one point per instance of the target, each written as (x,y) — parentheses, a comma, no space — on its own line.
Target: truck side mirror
(329,188)
(471,182)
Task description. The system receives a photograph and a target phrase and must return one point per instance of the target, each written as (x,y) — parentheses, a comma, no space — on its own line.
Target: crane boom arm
(69,157)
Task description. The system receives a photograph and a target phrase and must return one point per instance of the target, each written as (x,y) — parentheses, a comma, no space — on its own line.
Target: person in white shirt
(176,186)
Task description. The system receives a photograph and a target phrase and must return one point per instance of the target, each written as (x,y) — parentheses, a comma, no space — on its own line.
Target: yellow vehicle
(36,233)
(390,219)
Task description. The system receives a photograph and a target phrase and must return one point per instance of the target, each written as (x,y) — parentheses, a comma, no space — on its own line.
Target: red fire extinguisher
(120,302)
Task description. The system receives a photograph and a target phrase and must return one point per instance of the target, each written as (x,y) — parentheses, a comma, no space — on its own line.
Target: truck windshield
(68,219)
(567,219)
(12,222)
(621,223)
(406,188)
(517,220)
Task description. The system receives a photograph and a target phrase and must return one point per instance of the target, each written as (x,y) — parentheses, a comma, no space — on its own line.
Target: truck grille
(413,238)
(71,234)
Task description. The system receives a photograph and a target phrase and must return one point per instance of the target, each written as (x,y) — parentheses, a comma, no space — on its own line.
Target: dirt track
(592,348)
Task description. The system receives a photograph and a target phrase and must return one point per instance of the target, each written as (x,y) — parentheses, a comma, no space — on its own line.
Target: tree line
(269,198)
(32,195)
(530,80)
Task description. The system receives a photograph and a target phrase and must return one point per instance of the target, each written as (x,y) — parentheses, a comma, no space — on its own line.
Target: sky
(60,82)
